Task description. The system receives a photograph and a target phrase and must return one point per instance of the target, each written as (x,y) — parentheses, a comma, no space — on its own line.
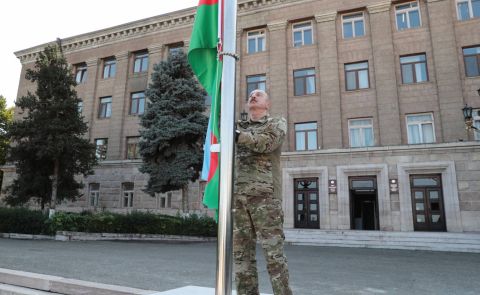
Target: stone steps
(432,241)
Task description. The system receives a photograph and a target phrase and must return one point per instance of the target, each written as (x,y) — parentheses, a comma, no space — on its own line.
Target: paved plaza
(314,270)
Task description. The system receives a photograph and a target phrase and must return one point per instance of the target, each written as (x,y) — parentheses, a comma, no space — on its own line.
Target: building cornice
(379,7)
(278,25)
(431,1)
(326,17)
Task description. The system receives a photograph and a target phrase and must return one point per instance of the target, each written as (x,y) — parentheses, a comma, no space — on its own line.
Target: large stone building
(372,90)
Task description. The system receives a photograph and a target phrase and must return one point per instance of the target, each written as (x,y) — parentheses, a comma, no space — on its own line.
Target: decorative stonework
(121,55)
(156,48)
(326,17)
(92,62)
(379,7)
(431,1)
(278,25)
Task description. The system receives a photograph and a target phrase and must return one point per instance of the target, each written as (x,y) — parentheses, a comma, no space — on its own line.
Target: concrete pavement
(314,270)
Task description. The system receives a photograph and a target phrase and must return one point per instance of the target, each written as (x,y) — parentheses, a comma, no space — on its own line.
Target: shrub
(21,220)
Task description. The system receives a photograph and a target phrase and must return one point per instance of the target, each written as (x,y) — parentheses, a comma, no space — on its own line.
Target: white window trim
(362,134)
(128,194)
(96,197)
(262,34)
(406,11)
(420,125)
(303,33)
(470,9)
(476,117)
(352,20)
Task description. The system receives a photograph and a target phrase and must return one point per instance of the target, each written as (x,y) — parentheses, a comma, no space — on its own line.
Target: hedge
(14,220)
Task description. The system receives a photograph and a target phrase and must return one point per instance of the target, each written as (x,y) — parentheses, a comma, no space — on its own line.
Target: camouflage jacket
(257,156)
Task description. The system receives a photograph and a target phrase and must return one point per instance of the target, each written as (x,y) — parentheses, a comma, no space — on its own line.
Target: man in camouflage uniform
(257,200)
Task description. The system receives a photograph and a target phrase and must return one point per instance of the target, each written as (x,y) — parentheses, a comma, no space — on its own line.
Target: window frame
(470,10)
(110,63)
(357,79)
(352,21)
(82,70)
(302,29)
(136,153)
(477,55)
(412,64)
(256,83)
(128,195)
(407,11)
(137,103)
(314,75)
(102,112)
(476,118)
(362,132)
(420,124)
(262,34)
(96,194)
(99,154)
(143,58)
(305,136)
(80,106)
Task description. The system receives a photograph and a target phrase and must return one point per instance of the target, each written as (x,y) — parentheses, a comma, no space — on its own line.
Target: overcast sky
(27,23)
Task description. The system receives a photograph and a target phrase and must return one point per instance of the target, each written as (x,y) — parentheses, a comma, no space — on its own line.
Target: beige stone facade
(394,155)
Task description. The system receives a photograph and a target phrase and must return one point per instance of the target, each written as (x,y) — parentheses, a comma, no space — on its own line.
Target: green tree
(173,128)
(49,148)
(6,118)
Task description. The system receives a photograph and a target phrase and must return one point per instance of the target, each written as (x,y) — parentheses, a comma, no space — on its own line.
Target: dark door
(427,203)
(363,203)
(306,203)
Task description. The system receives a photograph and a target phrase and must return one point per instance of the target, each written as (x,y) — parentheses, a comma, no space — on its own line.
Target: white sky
(27,23)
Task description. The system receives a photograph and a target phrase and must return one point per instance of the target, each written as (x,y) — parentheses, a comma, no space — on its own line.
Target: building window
(306,136)
(304,81)
(80,106)
(256,41)
(101,146)
(81,73)
(468,9)
(175,48)
(302,34)
(471,57)
(140,63)
(356,76)
(408,16)
(105,108)
(133,151)
(137,105)
(109,68)
(476,122)
(127,188)
(353,25)
(361,132)
(94,194)
(256,82)
(166,200)
(414,68)
(420,128)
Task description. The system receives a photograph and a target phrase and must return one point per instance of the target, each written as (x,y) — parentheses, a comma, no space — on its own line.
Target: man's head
(258,102)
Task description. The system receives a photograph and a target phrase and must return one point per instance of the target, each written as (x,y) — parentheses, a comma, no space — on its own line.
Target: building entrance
(306,203)
(363,203)
(427,203)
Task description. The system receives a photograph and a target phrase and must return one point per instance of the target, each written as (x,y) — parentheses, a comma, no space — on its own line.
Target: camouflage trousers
(260,217)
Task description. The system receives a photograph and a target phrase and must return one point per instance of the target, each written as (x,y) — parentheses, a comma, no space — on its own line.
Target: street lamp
(467,115)
(244,116)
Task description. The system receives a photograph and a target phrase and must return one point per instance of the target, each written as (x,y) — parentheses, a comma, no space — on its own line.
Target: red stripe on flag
(213,160)
(207,2)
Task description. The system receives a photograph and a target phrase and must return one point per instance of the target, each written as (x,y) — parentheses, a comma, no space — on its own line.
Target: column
(447,69)
(118,107)
(330,100)
(89,99)
(278,70)
(384,71)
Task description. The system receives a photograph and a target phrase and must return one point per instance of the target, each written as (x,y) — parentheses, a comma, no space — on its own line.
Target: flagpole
(227,123)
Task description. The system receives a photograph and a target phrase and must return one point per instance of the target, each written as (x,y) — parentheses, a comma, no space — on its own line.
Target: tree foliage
(6,118)
(50,134)
(173,127)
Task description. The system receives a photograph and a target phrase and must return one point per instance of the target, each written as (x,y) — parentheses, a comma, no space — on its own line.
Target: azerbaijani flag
(202,56)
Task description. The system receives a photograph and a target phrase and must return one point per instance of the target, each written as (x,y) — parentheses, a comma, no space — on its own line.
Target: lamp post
(467,115)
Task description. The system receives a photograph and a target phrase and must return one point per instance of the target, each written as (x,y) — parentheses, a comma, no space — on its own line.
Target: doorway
(427,203)
(363,203)
(306,203)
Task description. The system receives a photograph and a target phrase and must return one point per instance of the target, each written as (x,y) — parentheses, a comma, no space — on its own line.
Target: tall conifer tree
(173,128)
(49,145)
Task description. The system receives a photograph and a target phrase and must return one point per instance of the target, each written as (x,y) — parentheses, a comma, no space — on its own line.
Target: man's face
(258,100)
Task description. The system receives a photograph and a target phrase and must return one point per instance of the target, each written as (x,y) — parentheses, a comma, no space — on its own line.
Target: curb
(55,284)
(82,236)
